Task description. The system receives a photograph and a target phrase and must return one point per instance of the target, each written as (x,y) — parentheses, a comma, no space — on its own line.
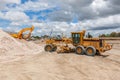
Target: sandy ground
(25,60)
(53,66)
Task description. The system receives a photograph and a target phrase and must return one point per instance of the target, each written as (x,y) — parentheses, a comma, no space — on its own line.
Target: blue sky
(95,16)
(40,15)
(23,1)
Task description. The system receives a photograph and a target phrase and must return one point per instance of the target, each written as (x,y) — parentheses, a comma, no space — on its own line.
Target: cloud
(3,3)
(104,8)
(115,2)
(1,15)
(110,20)
(9,1)
(105,27)
(32,5)
(72,8)
(94,26)
(16,16)
(95,16)
(84,9)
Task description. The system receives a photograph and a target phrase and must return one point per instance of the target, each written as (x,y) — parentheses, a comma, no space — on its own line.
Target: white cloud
(15,24)
(107,21)
(36,24)
(34,6)
(1,15)
(4,2)
(98,24)
(16,16)
(98,5)
(10,1)
(91,15)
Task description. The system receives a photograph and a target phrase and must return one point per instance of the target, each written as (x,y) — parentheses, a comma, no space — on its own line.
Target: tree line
(112,34)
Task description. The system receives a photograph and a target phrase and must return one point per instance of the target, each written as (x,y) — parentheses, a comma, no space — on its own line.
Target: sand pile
(11,46)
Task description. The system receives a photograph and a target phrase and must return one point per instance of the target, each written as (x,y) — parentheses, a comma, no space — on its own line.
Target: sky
(65,16)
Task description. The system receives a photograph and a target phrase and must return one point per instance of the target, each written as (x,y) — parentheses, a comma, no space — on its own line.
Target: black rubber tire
(54,48)
(49,45)
(93,51)
(82,48)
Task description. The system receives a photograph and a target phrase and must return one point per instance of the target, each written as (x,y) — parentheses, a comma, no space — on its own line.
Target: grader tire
(80,50)
(48,48)
(54,48)
(90,51)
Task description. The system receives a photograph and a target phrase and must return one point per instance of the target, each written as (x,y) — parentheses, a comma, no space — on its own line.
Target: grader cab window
(76,38)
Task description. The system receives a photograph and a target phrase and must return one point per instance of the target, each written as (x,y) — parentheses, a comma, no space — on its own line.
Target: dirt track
(53,66)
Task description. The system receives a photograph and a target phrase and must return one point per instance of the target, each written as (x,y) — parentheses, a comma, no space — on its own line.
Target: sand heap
(11,46)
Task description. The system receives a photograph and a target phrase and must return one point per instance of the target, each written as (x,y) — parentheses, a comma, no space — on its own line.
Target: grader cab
(77,37)
(88,46)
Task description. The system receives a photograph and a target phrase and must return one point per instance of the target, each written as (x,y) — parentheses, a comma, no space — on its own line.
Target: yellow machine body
(89,46)
(99,44)
(20,34)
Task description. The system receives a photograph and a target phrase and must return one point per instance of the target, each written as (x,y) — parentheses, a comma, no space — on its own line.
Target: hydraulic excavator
(21,35)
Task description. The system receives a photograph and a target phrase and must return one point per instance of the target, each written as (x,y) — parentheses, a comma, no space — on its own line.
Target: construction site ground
(52,66)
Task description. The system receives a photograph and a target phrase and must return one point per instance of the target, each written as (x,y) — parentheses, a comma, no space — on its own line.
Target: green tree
(103,35)
(118,34)
(113,34)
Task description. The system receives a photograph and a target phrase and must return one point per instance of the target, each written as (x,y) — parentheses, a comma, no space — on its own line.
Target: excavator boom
(20,33)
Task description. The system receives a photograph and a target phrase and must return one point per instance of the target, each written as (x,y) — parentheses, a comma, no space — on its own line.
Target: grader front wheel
(54,48)
(80,50)
(48,48)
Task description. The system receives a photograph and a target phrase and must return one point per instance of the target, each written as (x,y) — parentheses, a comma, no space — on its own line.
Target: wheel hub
(48,48)
(90,51)
(79,50)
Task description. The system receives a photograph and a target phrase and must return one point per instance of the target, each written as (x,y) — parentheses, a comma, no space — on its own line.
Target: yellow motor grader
(88,46)
(21,35)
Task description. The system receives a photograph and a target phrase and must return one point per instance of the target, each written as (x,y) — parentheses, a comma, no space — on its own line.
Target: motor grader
(88,46)
(21,35)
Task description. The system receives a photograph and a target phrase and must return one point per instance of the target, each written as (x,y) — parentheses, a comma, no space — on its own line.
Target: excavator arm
(20,33)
